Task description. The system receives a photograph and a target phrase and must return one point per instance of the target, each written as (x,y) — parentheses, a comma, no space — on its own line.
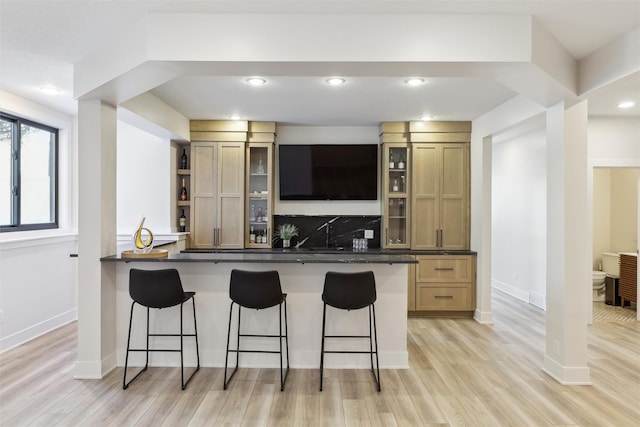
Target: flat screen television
(328,172)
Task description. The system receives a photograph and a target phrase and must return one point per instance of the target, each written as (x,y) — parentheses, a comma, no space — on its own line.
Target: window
(28,175)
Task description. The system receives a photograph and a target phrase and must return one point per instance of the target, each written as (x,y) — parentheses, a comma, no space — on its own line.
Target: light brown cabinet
(259,195)
(396,212)
(217,195)
(440,196)
(443,285)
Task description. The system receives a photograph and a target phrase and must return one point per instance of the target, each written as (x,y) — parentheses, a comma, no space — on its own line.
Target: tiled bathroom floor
(609,313)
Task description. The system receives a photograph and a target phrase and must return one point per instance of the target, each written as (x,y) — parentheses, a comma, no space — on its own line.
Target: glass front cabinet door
(395,181)
(258,231)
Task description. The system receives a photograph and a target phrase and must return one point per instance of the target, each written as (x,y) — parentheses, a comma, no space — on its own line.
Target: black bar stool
(256,290)
(159,289)
(351,291)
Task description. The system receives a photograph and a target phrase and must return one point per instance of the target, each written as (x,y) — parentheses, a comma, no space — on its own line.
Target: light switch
(368,234)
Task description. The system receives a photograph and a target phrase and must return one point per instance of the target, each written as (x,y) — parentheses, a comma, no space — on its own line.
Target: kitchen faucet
(327,232)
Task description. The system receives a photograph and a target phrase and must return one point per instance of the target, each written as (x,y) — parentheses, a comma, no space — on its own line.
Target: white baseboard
(532,298)
(566,375)
(510,290)
(484,317)
(538,300)
(27,334)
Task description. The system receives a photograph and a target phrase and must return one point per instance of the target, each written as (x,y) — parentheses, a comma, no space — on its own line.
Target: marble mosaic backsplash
(329,231)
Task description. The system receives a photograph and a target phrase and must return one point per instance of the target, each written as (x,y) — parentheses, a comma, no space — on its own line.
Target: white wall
(519,216)
(601,214)
(615,211)
(37,277)
(624,209)
(613,141)
(144,181)
(37,287)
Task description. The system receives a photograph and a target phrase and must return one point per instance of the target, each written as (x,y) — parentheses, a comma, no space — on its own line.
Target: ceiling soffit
(162,47)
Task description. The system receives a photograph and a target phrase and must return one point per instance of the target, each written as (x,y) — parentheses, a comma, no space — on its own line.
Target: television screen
(328,172)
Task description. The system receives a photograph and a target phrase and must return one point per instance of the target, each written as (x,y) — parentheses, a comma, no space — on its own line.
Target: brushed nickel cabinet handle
(444,268)
(444,296)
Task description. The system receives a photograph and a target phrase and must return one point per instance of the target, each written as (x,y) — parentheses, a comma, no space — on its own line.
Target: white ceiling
(41,40)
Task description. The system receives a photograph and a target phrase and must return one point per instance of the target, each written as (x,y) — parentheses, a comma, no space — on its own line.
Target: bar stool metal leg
(226,358)
(372,313)
(324,315)
(351,291)
(125,384)
(257,291)
(166,292)
(182,335)
(283,374)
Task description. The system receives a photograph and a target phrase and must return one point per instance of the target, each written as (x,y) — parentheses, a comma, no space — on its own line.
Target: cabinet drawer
(444,297)
(448,268)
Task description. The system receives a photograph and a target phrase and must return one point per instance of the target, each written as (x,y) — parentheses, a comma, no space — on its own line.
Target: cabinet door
(259,180)
(230,197)
(425,187)
(440,184)
(203,194)
(395,201)
(454,196)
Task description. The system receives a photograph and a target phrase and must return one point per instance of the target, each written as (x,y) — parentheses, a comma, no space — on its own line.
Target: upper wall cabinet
(396,161)
(258,230)
(217,184)
(440,196)
(440,185)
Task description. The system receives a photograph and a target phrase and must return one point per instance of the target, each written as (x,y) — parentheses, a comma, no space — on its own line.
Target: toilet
(598,279)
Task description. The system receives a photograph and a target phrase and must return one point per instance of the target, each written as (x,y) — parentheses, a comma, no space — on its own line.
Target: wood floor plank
(461,373)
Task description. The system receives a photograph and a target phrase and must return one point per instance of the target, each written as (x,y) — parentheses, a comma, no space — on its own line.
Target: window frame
(17,123)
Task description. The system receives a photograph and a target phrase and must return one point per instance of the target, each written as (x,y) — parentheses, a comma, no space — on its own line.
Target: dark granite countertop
(286,257)
(332,250)
(293,255)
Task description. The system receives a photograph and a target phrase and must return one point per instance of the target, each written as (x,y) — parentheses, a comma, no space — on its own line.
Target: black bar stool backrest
(156,288)
(349,291)
(255,289)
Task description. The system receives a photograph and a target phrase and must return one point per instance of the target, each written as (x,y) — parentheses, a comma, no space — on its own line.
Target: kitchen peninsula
(302,278)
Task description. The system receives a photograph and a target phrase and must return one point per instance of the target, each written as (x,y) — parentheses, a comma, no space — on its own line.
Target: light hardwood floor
(462,373)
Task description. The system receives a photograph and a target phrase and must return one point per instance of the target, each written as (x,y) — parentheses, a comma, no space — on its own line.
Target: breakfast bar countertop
(280,256)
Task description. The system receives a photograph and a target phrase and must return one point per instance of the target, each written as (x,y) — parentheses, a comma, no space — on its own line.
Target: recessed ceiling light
(336,81)
(256,81)
(414,81)
(426,118)
(235,117)
(50,90)
(626,104)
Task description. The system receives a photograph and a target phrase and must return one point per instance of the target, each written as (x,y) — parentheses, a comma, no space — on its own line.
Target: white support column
(568,260)
(483,312)
(96,238)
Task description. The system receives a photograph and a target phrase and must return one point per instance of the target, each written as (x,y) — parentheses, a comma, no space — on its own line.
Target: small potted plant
(286,232)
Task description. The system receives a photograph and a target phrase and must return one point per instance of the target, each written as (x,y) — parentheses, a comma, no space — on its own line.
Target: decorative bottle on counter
(183,159)
(183,190)
(183,222)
